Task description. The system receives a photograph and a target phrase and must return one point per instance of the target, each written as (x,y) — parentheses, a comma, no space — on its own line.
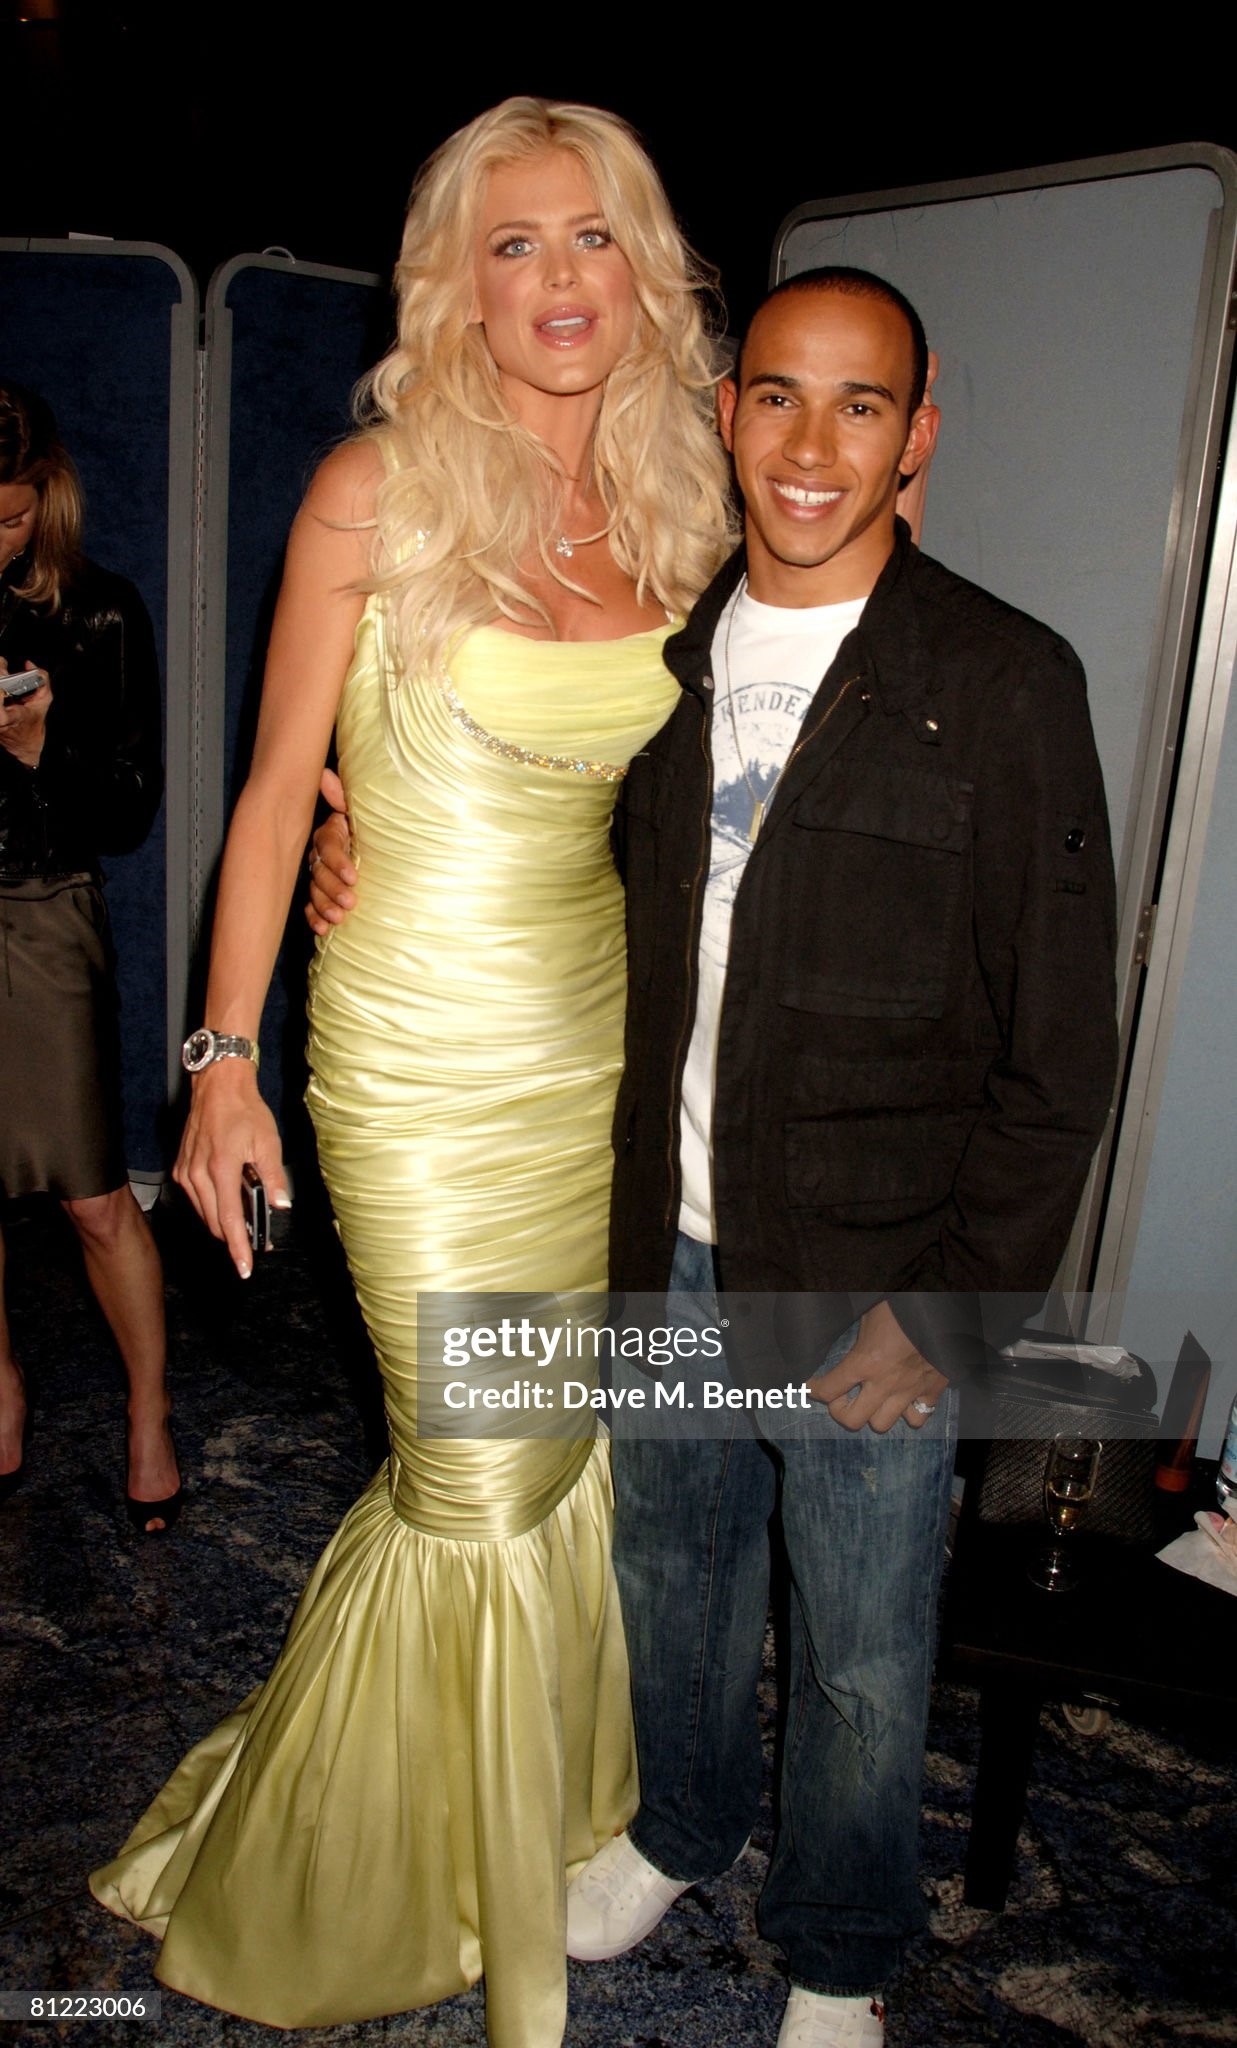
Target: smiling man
(870,1049)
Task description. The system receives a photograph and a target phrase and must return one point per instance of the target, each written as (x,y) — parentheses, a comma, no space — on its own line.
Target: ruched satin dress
(446,1735)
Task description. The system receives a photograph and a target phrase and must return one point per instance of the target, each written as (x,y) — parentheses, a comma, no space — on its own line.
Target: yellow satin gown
(446,1735)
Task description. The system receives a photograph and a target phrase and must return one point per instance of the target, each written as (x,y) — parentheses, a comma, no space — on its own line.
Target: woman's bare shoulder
(345,484)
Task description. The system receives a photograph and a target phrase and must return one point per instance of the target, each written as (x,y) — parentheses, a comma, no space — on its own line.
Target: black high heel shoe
(10,1481)
(140,1512)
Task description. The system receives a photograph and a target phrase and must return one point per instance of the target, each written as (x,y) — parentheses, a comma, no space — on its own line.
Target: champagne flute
(1069,1482)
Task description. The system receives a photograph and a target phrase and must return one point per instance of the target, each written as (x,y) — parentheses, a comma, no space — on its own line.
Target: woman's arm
(310,649)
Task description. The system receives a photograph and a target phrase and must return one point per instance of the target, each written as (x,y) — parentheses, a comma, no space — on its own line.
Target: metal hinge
(1145,934)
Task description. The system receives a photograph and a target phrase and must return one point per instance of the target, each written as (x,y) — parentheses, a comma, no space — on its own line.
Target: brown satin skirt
(61,1119)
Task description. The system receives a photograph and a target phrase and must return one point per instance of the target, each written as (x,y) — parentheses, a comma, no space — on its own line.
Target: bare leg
(123,1268)
(12,1391)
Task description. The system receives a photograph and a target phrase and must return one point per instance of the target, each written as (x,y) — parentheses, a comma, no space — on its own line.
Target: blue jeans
(863,1518)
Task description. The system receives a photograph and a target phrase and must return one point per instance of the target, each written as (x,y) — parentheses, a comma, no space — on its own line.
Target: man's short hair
(853,284)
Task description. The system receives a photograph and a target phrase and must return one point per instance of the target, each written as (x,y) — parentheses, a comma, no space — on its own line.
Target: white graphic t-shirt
(768,662)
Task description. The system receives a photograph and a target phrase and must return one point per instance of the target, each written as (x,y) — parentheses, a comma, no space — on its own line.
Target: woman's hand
(332,876)
(23,725)
(229,1128)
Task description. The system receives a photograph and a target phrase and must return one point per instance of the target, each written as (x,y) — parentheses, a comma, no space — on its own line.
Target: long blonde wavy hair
(471,496)
(32,452)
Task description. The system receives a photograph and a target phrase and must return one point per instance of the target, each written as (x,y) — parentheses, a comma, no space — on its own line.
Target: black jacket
(917,1049)
(98,783)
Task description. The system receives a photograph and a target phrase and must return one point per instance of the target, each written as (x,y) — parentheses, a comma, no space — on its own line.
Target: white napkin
(1207,1552)
(1110,1358)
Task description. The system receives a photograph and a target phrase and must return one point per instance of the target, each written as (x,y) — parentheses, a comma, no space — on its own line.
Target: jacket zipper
(689,1002)
(819,726)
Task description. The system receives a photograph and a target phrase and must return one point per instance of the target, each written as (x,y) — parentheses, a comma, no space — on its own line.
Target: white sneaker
(616,1900)
(812,2020)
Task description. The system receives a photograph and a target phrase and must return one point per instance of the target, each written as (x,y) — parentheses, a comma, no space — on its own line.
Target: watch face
(196,1051)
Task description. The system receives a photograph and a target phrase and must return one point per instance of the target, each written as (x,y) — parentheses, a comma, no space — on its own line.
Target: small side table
(1134,1631)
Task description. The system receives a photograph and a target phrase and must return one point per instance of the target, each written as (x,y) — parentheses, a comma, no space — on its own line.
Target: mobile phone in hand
(24,684)
(256,1208)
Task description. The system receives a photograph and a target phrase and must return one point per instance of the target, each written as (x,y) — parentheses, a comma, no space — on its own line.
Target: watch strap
(203,1047)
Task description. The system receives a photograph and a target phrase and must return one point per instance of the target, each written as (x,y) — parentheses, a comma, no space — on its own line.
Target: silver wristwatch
(202,1048)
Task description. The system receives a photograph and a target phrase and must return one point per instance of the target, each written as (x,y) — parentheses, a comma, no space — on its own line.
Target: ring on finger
(922,1407)
(314,860)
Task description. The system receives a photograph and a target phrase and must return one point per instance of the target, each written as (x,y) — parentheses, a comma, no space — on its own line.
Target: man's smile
(804,494)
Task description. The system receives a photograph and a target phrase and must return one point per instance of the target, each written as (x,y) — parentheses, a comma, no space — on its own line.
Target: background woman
(538,493)
(80,774)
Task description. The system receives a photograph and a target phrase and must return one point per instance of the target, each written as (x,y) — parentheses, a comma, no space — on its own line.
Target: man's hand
(892,1378)
(24,724)
(332,876)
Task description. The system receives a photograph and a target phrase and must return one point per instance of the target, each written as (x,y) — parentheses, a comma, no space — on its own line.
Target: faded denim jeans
(863,1518)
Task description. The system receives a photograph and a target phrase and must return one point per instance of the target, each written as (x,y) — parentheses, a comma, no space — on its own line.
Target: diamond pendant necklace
(565,547)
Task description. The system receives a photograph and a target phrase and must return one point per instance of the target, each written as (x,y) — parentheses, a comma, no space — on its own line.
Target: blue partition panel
(91,328)
(294,341)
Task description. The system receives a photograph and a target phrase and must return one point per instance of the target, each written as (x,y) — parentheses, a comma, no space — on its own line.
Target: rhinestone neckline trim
(597,771)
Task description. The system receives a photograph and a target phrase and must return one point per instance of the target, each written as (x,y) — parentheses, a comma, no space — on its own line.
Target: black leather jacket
(918,1047)
(97,786)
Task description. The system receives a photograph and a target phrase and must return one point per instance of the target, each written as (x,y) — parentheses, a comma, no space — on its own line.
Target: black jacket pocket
(879,875)
(884,1167)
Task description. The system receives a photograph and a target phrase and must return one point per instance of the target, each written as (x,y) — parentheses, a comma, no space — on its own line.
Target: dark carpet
(116,1654)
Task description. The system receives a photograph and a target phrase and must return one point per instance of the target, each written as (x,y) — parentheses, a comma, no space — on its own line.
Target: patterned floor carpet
(115,1655)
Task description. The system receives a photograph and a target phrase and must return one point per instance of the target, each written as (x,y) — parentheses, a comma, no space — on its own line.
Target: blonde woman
(538,493)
